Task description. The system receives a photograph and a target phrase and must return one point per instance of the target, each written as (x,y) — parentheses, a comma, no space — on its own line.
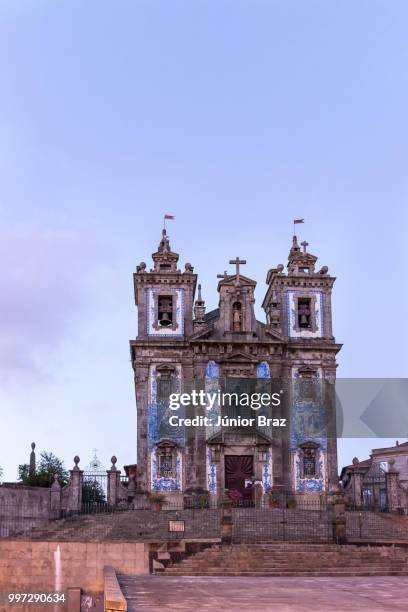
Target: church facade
(180,347)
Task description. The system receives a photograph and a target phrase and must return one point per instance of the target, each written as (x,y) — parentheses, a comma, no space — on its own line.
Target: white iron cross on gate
(237,261)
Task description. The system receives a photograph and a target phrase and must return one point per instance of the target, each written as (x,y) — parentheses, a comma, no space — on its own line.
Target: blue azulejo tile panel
(263,371)
(310,485)
(158,426)
(211,385)
(267,472)
(211,474)
(163,485)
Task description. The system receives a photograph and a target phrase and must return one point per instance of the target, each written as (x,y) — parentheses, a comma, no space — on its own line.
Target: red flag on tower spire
(295,222)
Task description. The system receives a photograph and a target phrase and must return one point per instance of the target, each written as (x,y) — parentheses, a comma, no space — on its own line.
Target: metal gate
(258,525)
(374,490)
(94,492)
(369,526)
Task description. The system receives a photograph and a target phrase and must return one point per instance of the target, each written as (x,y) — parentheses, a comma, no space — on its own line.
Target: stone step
(302,558)
(313,563)
(311,567)
(292,563)
(293,560)
(300,546)
(299,574)
(278,554)
(326,571)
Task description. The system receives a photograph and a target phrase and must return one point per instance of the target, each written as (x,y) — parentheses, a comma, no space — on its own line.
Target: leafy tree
(48,465)
(92,491)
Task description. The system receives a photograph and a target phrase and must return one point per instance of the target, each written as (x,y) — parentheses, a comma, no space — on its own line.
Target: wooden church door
(238,468)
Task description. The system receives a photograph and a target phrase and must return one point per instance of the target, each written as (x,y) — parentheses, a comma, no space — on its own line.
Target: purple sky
(234,116)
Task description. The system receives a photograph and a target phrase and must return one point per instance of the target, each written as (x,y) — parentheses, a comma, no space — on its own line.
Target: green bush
(48,465)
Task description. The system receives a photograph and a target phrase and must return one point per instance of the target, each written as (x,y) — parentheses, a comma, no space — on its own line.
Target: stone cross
(304,245)
(237,261)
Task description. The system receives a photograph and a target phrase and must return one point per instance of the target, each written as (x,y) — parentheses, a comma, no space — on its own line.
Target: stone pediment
(230,436)
(273,333)
(232,281)
(307,370)
(240,357)
(202,334)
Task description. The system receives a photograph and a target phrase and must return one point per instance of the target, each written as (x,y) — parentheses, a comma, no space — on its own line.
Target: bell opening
(165,311)
(304,313)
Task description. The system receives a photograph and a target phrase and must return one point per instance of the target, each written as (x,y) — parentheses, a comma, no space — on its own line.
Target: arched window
(167,458)
(165,310)
(309,455)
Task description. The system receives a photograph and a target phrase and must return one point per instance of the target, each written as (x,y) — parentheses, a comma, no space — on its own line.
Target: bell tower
(298,307)
(164,295)
(298,304)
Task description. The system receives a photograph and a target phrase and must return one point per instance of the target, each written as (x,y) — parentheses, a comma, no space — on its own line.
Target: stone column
(392,482)
(55,498)
(257,494)
(75,488)
(357,488)
(328,389)
(337,506)
(131,490)
(142,403)
(113,483)
(32,460)
(226,524)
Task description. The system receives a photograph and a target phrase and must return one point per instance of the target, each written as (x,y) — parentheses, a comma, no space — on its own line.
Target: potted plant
(291,503)
(196,497)
(234,497)
(273,499)
(204,501)
(157,499)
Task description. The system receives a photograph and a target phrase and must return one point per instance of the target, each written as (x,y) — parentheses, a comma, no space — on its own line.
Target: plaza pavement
(261,594)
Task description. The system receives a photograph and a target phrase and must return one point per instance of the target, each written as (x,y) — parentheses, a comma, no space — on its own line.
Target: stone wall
(31,566)
(25,497)
(23,508)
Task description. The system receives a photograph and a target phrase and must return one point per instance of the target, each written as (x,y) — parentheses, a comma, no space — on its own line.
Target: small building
(366,484)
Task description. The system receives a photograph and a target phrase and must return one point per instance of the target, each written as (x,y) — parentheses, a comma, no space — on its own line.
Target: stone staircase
(376,526)
(302,560)
(129,526)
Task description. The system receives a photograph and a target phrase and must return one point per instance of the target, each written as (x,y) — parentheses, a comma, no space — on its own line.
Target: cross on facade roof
(237,261)
(304,245)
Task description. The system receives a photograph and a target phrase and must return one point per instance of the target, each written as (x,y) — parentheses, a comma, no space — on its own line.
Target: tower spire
(164,259)
(295,246)
(164,245)
(199,307)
